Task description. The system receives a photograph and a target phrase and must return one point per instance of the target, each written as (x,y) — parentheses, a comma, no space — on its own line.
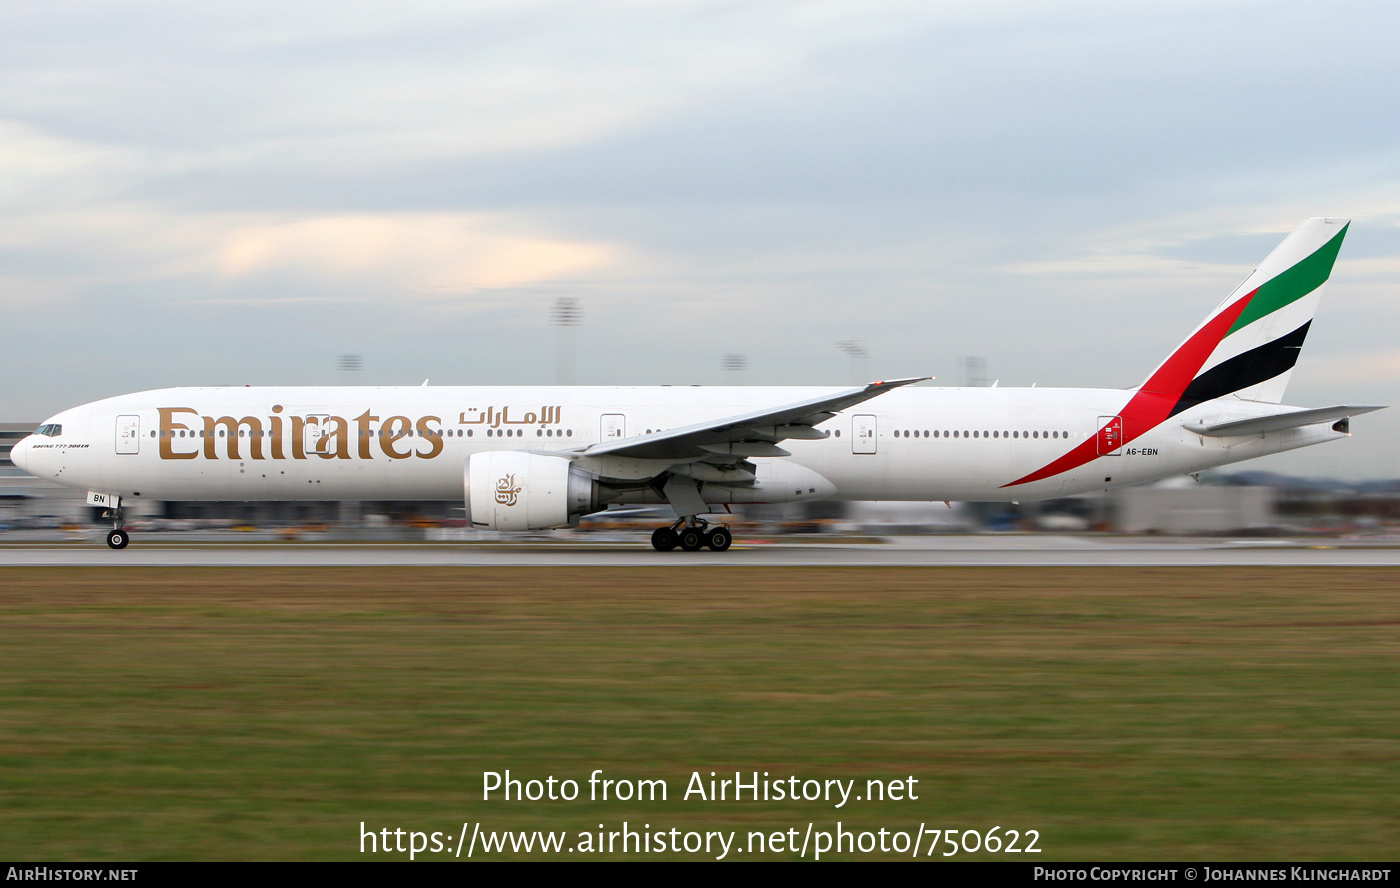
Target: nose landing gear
(116,537)
(692,536)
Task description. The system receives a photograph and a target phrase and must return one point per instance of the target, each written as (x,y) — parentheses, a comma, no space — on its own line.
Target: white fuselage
(388,443)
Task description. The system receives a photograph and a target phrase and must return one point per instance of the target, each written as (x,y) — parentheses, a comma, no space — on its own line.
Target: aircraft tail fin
(1249,344)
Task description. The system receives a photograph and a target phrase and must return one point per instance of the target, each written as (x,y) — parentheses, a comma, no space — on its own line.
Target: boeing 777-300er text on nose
(527,458)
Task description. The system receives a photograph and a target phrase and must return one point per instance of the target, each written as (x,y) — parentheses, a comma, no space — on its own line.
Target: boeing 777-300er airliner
(527,458)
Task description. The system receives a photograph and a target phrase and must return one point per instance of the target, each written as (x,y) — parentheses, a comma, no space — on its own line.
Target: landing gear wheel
(118,539)
(692,539)
(719,539)
(664,539)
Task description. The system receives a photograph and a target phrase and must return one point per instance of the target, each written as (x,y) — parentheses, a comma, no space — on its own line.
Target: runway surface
(951,551)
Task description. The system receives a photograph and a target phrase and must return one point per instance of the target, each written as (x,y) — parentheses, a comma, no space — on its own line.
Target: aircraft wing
(1277,422)
(747,434)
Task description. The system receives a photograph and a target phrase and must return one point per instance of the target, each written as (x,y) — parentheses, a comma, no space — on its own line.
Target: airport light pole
(734,366)
(349,367)
(566,315)
(974,371)
(853,349)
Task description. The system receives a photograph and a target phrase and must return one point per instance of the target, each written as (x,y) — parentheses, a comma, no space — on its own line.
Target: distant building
(1195,509)
(10,433)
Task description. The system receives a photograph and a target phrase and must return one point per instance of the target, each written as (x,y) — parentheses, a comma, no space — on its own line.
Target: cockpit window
(49,430)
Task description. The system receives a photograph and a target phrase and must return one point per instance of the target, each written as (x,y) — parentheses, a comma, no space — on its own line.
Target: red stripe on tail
(1153,402)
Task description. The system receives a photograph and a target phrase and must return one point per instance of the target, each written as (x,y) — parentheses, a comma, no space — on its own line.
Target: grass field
(1124,713)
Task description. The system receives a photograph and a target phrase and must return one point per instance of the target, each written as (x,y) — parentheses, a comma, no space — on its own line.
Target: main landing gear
(692,537)
(116,538)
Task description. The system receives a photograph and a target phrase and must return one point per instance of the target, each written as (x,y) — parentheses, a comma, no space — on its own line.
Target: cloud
(1339,370)
(430,254)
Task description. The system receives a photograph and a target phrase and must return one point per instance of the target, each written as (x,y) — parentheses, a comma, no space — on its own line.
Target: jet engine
(514,490)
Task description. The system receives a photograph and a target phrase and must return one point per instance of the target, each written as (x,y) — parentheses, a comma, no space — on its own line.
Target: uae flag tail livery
(1245,349)
(1248,346)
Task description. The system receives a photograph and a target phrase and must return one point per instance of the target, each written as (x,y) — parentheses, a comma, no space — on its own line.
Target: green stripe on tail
(1293,284)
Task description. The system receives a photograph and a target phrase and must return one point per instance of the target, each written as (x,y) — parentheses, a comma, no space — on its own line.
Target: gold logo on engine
(507,491)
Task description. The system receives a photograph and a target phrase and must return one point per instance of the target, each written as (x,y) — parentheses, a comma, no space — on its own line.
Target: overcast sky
(201,193)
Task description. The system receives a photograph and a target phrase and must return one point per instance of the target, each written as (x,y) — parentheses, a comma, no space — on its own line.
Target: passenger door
(1110,436)
(128,434)
(317,427)
(864,434)
(614,427)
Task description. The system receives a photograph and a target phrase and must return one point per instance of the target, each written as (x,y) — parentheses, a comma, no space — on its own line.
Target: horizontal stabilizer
(1277,422)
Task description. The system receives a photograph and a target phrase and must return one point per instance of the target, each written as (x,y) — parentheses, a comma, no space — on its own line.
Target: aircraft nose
(19,453)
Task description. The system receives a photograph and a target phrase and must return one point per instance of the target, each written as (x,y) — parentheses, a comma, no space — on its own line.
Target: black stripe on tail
(1244,370)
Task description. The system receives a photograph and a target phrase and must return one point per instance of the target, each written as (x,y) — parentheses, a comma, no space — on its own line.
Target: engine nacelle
(514,490)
